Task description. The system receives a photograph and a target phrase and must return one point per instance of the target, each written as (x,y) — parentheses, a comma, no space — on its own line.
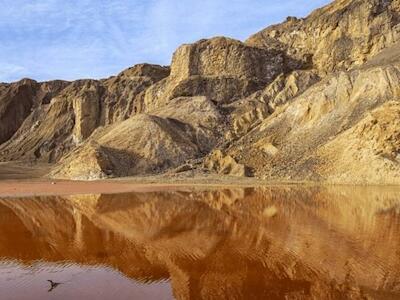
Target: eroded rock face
(224,164)
(125,92)
(207,122)
(58,116)
(285,145)
(221,69)
(52,129)
(140,145)
(339,36)
(367,153)
(17,100)
(249,112)
(147,144)
(225,57)
(86,109)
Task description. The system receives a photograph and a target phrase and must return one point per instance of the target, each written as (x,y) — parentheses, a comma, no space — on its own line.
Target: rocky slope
(308,99)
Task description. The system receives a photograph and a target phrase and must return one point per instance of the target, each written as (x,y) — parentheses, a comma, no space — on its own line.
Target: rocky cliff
(309,99)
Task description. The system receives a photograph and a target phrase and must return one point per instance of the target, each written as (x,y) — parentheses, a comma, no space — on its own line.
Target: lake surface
(245,243)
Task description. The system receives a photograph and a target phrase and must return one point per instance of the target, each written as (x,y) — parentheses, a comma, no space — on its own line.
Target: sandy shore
(19,188)
(20,180)
(45,187)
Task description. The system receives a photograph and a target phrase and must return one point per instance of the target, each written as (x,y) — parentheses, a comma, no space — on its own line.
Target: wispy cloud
(47,39)
(9,70)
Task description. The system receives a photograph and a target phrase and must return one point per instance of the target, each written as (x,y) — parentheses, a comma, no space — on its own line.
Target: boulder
(224,164)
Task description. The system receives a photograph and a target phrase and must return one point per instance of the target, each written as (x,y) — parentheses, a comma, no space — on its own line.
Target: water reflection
(264,243)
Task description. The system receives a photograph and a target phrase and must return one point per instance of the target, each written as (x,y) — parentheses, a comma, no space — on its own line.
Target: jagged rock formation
(366,149)
(224,164)
(147,144)
(297,130)
(222,68)
(344,34)
(56,126)
(19,99)
(281,104)
(249,112)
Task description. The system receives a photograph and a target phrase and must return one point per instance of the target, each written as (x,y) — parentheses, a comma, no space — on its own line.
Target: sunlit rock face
(222,69)
(318,131)
(17,100)
(45,121)
(339,36)
(275,243)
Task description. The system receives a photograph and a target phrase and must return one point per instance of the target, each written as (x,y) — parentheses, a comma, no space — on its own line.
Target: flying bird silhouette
(53,285)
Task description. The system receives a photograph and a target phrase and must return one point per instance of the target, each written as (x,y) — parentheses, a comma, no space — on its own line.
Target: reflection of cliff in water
(272,242)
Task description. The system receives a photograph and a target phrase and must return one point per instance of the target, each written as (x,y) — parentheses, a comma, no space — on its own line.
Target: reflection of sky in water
(18,282)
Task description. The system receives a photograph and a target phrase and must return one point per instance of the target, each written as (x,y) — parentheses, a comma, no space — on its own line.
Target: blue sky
(71,39)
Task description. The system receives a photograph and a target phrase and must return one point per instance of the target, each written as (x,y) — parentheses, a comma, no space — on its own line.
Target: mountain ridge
(283,105)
